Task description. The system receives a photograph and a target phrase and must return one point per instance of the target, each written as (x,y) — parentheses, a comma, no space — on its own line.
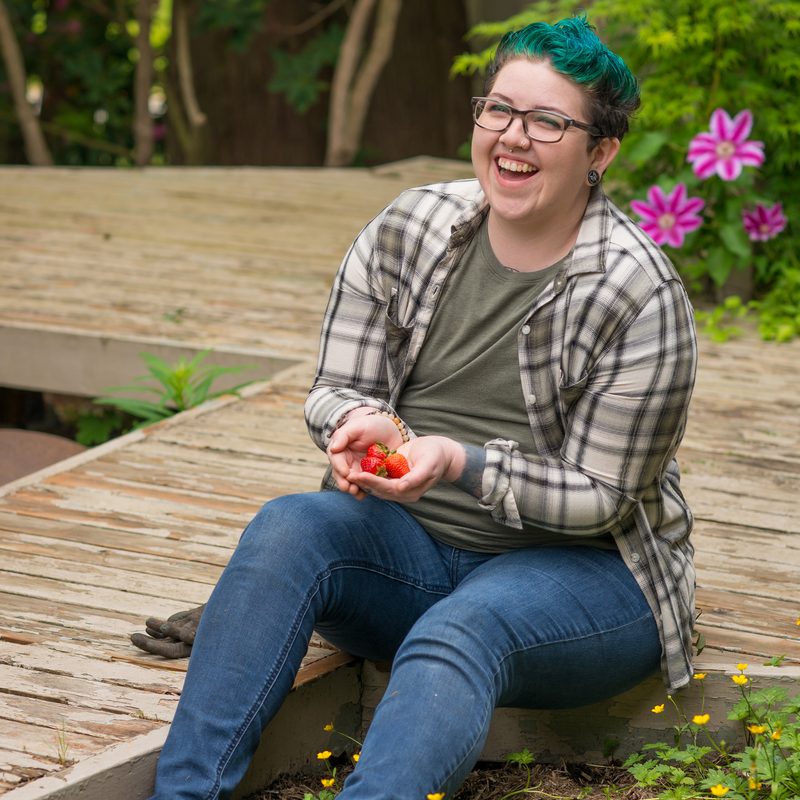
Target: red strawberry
(374,465)
(377,450)
(396,465)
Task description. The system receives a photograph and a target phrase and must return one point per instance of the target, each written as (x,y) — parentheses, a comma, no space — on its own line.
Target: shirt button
(635,558)
(532,398)
(558,283)
(526,329)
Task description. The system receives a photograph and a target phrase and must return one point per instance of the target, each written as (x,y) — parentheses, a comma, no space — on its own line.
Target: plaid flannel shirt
(607,360)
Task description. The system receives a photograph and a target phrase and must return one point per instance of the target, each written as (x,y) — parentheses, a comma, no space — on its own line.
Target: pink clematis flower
(668,218)
(764,223)
(725,150)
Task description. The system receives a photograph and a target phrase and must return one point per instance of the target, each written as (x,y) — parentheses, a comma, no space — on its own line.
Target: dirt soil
(495,781)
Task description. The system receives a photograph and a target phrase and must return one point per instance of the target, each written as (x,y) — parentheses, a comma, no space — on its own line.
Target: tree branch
(349,55)
(285,31)
(36,148)
(353,85)
(143,122)
(377,57)
(183,57)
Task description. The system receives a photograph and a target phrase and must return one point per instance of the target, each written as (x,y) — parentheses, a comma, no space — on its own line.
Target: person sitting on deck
(532,353)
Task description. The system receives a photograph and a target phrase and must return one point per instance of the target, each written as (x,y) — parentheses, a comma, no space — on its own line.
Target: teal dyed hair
(572,48)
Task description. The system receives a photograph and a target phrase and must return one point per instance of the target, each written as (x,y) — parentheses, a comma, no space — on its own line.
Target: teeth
(514,166)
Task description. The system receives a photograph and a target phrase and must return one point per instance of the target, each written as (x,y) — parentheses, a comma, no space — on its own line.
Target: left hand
(430,459)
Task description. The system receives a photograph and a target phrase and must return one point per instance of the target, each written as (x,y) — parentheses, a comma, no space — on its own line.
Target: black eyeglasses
(540,125)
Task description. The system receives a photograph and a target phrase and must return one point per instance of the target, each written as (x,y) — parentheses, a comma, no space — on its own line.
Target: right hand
(170,638)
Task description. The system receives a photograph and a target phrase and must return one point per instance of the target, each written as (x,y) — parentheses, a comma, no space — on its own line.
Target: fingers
(161,647)
(191,612)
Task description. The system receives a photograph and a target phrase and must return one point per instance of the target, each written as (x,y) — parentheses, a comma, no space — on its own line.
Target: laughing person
(531,352)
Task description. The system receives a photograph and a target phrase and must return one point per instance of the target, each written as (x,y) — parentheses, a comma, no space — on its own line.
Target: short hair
(573,48)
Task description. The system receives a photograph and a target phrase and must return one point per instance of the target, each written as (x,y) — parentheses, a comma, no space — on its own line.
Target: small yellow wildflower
(328,727)
(435,796)
(720,790)
(776,734)
(741,667)
(753,783)
(325,754)
(701,719)
(739,680)
(797,621)
(355,757)
(699,676)
(756,728)
(657,709)
(327,782)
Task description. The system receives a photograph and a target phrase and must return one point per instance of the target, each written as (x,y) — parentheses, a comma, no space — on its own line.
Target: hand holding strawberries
(349,444)
(430,459)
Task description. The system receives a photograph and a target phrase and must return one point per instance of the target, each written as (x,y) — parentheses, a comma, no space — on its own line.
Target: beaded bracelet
(399,424)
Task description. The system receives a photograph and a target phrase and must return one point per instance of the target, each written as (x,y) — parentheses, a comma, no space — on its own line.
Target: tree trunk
(355,80)
(142,121)
(415,108)
(36,148)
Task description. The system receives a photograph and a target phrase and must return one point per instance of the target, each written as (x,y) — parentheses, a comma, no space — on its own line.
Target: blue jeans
(543,628)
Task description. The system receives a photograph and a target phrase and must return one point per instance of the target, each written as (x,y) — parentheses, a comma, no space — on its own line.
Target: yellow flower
(355,757)
(741,667)
(657,709)
(435,796)
(776,734)
(753,783)
(699,676)
(325,754)
(719,790)
(739,680)
(797,621)
(701,719)
(756,728)
(328,727)
(327,782)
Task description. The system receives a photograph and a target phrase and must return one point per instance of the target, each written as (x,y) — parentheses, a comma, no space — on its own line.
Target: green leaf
(94,429)
(735,239)
(719,264)
(646,146)
(523,757)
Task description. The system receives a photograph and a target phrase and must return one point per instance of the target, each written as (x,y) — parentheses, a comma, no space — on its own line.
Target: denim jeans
(547,627)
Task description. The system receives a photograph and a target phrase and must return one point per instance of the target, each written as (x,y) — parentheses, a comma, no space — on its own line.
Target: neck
(529,247)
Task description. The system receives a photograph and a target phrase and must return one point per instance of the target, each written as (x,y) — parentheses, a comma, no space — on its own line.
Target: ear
(604,153)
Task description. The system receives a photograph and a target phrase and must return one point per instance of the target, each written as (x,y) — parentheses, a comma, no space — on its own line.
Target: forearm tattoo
(471,479)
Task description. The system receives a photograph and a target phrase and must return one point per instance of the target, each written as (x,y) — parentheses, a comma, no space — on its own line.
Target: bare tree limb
(143,122)
(183,55)
(378,55)
(36,148)
(354,82)
(306,25)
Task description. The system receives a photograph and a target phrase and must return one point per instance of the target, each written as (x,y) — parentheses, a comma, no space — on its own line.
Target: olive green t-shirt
(466,385)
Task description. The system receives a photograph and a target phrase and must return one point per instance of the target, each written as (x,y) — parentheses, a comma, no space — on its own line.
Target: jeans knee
(287,521)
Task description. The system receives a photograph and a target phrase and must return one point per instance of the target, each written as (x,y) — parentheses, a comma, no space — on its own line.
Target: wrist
(395,420)
(470,478)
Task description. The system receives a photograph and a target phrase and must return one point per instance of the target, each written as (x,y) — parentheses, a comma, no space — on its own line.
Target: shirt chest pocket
(397,338)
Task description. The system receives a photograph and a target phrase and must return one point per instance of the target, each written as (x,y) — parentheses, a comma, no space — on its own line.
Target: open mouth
(515,170)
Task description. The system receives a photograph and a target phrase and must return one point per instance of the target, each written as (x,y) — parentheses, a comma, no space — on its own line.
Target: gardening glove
(170,638)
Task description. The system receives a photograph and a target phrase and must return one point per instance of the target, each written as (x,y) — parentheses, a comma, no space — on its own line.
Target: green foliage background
(692,57)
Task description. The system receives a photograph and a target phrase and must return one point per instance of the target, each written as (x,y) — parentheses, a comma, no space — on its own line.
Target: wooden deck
(99,265)
(143,525)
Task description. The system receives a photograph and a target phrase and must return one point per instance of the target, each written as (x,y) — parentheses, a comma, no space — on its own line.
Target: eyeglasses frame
(593,130)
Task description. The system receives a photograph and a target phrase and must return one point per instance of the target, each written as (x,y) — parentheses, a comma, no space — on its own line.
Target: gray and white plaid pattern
(607,363)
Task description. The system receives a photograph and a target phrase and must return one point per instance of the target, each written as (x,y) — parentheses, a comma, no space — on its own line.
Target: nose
(514,135)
